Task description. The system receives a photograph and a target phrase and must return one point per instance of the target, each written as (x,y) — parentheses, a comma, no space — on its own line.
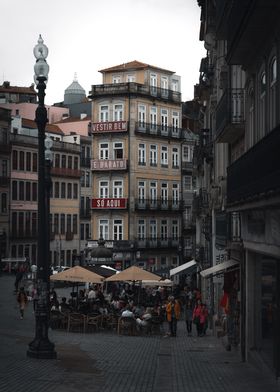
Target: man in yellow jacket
(173,310)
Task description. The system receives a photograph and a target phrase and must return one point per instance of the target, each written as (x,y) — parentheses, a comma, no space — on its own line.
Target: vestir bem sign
(107,164)
(112,126)
(109,203)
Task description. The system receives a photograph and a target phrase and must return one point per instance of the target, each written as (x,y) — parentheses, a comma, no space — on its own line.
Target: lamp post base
(41,349)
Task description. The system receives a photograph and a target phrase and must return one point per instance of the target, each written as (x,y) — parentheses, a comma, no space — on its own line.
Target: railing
(23,234)
(154,243)
(158,130)
(135,88)
(65,172)
(257,172)
(85,162)
(230,111)
(187,165)
(65,146)
(159,204)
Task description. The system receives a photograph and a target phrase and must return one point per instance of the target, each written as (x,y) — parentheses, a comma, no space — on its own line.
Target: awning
(182,267)
(218,268)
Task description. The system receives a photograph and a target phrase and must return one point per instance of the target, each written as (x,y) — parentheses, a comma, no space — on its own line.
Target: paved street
(107,362)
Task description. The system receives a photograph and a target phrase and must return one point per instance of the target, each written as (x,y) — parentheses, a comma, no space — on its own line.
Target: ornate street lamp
(41,347)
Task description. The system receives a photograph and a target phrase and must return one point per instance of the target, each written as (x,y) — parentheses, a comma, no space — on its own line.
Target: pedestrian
(33,271)
(22,301)
(203,319)
(188,316)
(19,276)
(196,317)
(173,311)
(35,297)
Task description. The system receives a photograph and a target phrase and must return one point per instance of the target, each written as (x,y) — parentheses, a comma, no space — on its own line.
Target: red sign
(113,126)
(109,203)
(106,164)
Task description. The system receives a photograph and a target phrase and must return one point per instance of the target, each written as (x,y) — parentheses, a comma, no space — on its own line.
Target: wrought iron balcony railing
(159,204)
(135,88)
(154,243)
(230,115)
(158,130)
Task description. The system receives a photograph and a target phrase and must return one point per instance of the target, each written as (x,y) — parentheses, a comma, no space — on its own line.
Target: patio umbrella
(78,274)
(133,274)
(166,282)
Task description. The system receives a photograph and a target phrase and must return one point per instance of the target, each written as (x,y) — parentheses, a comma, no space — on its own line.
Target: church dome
(74,93)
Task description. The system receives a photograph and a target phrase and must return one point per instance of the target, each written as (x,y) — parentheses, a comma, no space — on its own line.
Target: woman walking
(188,316)
(197,316)
(22,301)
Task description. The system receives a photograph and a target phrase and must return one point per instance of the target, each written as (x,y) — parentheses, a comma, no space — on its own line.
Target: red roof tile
(15,89)
(132,65)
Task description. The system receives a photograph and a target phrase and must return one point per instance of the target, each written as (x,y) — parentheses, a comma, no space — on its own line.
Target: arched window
(272,93)
(262,94)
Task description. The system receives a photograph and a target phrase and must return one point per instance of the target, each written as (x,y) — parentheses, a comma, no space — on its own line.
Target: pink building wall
(27,110)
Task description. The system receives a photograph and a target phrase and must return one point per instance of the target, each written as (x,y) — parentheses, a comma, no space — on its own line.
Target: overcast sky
(88,35)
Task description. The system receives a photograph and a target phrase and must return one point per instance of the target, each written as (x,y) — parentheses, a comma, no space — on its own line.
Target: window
(164,120)
(262,89)
(69,190)
(153,229)
(153,191)
(56,190)
(104,113)
(69,165)
(34,191)
(75,224)
(21,190)
(130,78)
(104,229)
(118,229)
(68,257)
(88,236)
(141,229)
(103,151)
(14,190)
(272,94)
(164,86)
(164,192)
(153,117)
(83,179)
(142,154)
(163,229)
(175,229)
(34,223)
(68,223)
(175,194)
(187,153)
(103,189)
(116,79)
(82,234)
(4,202)
(63,161)
(175,122)
(164,156)
(175,85)
(28,161)
(63,190)
(76,163)
(75,191)
(57,160)
(87,175)
(4,168)
(56,223)
(34,162)
(27,191)
(142,115)
(153,84)
(118,150)
(153,155)
(118,189)
(118,112)
(141,190)
(175,157)
(28,223)
(21,160)
(15,160)
(62,223)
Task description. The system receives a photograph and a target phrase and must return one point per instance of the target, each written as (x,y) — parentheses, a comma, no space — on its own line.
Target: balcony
(230,116)
(159,205)
(255,175)
(105,90)
(109,164)
(85,162)
(158,130)
(65,172)
(123,245)
(4,181)
(156,243)
(23,235)
(69,235)
(187,166)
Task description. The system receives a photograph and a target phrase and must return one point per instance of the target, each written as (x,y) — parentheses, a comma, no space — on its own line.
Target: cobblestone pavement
(106,362)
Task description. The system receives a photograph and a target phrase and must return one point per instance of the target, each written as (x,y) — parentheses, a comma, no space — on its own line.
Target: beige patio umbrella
(166,282)
(133,274)
(78,274)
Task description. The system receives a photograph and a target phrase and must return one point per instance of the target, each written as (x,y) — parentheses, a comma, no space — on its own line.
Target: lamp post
(41,347)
